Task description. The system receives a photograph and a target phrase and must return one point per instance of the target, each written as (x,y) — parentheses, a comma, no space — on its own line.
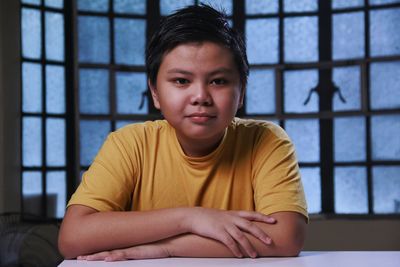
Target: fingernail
(268,240)
(270,219)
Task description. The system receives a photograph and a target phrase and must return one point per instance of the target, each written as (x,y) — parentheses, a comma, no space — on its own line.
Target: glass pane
(297,86)
(92,136)
(382,2)
(31,87)
(261,7)
(336,4)
(31,33)
(349,140)
(300,5)
(301,39)
(56,194)
(260,94)
(94,39)
(384,32)
(31,141)
(120,124)
(130,35)
(32,192)
(54,36)
(93,5)
(54,3)
(348,80)
(55,142)
(32,2)
(305,136)
(130,6)
(348,35)
(385,85)
(169,6)
(130,88)
(351,190)
(55,89)
(93,91)
(312,188)
(259,48)
(386,189)
(221,5)
(385,137)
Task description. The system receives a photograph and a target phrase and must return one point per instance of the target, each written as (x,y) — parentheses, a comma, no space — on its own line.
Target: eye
(219,81)
(181,81)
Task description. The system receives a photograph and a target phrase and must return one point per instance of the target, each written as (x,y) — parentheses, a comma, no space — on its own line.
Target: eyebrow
(217,71)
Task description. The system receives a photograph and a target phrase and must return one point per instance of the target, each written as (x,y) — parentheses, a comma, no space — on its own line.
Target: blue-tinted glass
(221,5)
(54,36)
(130,35)
(32,192)
(385,85)
(349,140)
(386,189)
(92,136)
(94,39)
(384,32)
(385,137)
(56,194)
(169,6)
(54,3)
(296,90)
(93,5)
(55,142)
(301,39)
(348,35)
(130,6)
(120,124)
(55,89)
(348,80)
(336,4)
(31,33)
(130,88)
(262,40)
(32,2)
(351,190)
(305,136)
(261,7)
(260,94)
(31,141)
(93,91)
(312,188)
(382,2)
(300,5)
(31,87)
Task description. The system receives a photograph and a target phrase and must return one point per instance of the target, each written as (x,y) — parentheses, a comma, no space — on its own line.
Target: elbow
(68,246)
(292,245)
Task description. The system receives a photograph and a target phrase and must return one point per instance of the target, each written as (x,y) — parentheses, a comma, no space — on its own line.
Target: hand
(229,227)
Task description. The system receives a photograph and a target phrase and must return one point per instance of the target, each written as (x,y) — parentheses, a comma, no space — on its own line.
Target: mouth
(201,117)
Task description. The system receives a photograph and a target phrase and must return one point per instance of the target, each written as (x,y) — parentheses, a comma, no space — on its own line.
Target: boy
(199,183)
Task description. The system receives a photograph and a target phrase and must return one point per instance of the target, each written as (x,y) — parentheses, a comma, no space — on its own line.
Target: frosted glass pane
(120,124)
(31,87)
(32,192)
(348,80)
(129,41)
(54,3)
(385,85)
(349,140)
(348,35)
(351,190)
(130,87)
(94,39)
(262,40)
(336,4)
(32,2)
(305,136)
(384,32)
(130,6)
(385,137)
(56,194)
(31,141)
(261,7)
(55,89)
(382,2)
(31,33)
(221,5)
(312,188)
(386,189)
(54,36)
(300,5)
(260,94)
(55,142)
(93,91)
(92,136)
(93,5)
(169,6)
(301,39)
(296,90)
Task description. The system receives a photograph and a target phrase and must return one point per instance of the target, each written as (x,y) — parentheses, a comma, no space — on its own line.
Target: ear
(241,99)
(154,94)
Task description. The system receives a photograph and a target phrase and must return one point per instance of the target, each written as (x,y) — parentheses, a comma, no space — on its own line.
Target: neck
(200,148)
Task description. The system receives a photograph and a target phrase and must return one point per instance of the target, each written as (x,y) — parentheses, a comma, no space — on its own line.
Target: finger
(255,216)
(242,240)
(97,256)
(254,230)
(116,255)
(231,244)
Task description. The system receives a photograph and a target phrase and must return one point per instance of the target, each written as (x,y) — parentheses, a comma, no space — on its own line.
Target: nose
(201,95)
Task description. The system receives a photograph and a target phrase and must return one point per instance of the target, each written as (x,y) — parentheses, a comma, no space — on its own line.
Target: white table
(306,259)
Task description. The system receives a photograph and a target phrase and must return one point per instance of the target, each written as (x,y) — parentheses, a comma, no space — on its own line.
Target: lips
(201,117)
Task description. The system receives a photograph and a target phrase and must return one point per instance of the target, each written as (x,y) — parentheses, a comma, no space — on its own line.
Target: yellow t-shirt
(142,167)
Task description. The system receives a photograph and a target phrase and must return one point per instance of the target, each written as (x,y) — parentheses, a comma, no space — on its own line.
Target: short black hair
(196,23)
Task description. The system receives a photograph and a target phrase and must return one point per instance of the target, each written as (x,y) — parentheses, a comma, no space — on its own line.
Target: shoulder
(141,129)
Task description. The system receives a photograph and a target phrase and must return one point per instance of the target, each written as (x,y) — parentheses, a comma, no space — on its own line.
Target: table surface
(306,259)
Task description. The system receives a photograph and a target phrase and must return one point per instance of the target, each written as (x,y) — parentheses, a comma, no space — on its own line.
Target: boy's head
(195,24)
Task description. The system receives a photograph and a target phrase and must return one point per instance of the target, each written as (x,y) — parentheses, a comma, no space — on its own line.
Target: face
(198,90)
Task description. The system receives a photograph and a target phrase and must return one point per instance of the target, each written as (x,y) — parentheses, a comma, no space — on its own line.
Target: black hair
(195,24)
